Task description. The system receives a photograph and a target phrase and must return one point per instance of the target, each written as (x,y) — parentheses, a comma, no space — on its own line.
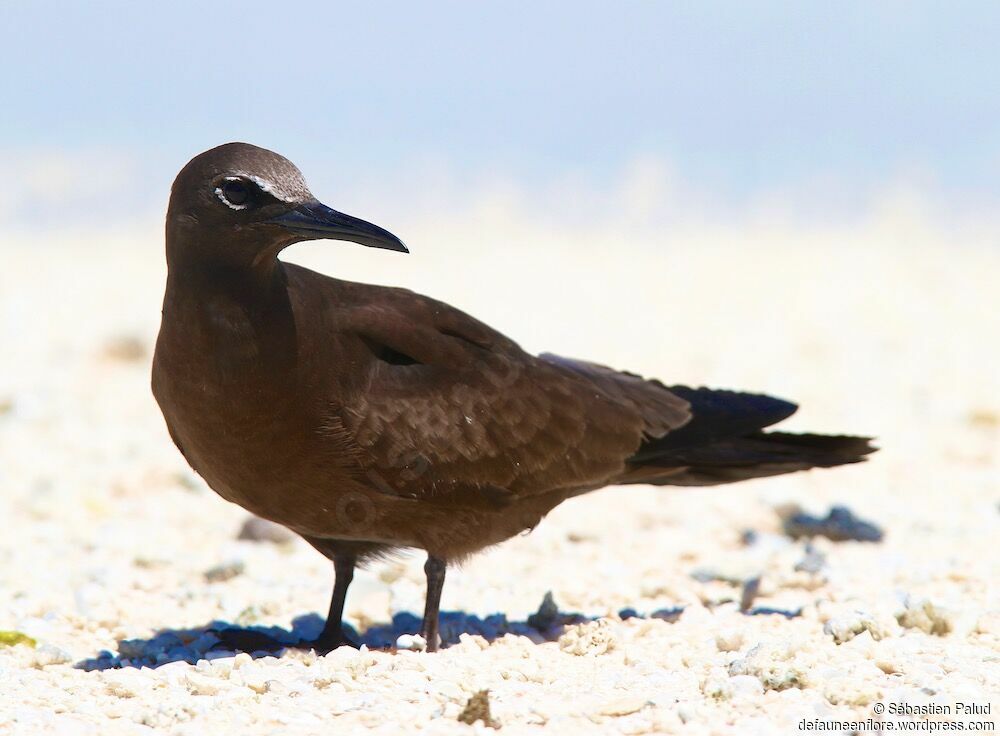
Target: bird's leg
(329,639)
(333,635)
(434,569)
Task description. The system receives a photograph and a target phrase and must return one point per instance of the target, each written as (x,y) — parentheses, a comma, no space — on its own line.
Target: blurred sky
(823,104)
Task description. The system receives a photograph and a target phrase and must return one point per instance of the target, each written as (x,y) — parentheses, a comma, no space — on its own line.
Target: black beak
(315,221)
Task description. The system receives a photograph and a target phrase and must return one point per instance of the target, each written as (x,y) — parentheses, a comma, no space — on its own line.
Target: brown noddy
(369,419)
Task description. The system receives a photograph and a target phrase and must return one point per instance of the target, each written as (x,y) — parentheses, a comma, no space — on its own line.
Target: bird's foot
(433,640)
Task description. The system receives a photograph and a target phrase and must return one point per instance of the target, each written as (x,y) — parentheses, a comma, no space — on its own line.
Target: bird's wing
(452,408)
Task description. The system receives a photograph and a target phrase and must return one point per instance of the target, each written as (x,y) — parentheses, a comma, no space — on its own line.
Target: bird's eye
(236,193)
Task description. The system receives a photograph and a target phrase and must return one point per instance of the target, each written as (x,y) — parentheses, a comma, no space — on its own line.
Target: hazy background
(722,111)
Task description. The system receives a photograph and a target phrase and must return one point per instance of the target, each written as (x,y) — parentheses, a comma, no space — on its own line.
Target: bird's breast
(231,390)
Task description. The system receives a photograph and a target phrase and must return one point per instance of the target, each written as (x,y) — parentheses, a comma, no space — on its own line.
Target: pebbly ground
(116,561)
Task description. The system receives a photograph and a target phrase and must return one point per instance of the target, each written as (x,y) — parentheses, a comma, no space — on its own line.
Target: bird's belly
(276,470)
(276,458)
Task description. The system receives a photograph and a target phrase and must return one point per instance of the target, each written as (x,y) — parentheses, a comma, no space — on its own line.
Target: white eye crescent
(265,186)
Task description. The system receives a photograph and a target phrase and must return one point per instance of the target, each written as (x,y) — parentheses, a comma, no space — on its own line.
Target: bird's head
(244,204)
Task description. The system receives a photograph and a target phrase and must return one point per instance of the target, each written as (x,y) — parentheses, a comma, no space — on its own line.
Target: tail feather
(717,415)
(724,443)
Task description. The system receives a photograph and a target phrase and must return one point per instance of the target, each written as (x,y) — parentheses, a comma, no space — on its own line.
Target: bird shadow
(206,642)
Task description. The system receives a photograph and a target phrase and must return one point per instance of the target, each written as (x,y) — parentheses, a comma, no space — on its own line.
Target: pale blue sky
(738,98)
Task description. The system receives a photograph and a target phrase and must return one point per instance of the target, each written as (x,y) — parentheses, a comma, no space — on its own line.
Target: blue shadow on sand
(203,642)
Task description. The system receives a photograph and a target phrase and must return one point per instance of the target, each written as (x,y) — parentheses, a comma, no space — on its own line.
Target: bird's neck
(258,283)
(258,291)
(252,270)
(238,321)
(204,276)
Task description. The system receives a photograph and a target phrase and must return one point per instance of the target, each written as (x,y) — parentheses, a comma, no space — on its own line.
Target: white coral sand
(889,329)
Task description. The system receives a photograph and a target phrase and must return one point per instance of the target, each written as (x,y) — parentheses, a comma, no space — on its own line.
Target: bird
(372,420)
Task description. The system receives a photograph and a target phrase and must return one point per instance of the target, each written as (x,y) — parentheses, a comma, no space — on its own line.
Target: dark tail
(724,443)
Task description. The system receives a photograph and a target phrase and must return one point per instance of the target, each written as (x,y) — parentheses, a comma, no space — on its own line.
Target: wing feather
(475,411)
